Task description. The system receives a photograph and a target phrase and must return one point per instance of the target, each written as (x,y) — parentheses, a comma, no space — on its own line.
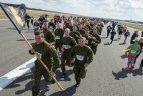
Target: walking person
(32,20)
(113,33)
(141,46)
(126,35)
(133,51)
(109,28)
(134,36)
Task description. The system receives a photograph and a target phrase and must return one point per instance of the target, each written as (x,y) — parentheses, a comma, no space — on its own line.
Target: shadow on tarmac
(124,56)
(107,43)
(124,73)
(43,84)
(22,79)
(68,73)
(103,37)
(115,39)
(68,92)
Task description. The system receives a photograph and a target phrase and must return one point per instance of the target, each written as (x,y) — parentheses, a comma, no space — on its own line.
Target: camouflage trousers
(80,73)
(65,60)
(94,49)
(37,78)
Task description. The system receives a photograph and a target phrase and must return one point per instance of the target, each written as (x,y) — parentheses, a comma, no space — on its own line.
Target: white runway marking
(15,73)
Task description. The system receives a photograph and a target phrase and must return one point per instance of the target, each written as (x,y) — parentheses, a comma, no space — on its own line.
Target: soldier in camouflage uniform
(89,39)
(81,56)
(99,28)
(75,34)
(48,56)
(48,33)
(58,36)
(81,30)
(69,25)
(67,43)
(97,40)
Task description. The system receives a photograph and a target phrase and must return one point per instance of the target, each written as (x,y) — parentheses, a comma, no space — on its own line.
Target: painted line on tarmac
(4,19)
(8,78)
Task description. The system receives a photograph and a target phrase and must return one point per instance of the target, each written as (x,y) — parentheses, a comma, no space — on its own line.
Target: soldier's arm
(79,34)
(55,58)
(52,36)
(73,42)
(32,51)
(62,33)
(98,38)
(72,53)
(61,43)
(90,56)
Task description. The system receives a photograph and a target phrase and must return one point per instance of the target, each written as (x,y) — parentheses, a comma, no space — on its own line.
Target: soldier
(48,33)
(99,28)
(97,40)
(52,25)
(89,38)
(81,56)
(48,56)
(75,34)
(81,30)
(69,25)
(58,36)
(67,43)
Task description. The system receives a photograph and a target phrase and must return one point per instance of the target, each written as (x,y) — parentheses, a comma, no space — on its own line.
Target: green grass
(2,14)
(35,14)
(132,25)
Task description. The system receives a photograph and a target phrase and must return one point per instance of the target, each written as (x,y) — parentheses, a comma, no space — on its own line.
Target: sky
(114,9)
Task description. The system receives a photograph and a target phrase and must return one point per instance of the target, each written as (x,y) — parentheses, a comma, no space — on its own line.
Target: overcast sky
(116,9)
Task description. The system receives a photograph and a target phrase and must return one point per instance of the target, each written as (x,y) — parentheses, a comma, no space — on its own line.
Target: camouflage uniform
(82,32)
(58,36)
(97,41)
(75,35)
(99,29)
(88,26)
(67,43)
(89,40)
(69,26)
(49,35)
(83,55)
(50,58)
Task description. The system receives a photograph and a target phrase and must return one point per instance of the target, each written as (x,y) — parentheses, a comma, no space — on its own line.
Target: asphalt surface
(13,50)
(105,76)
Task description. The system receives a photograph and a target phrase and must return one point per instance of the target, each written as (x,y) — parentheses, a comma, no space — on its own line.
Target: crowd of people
(76,39)
(136,43)
(72,41)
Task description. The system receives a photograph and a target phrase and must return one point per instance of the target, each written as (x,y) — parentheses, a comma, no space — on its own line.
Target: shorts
(131,59)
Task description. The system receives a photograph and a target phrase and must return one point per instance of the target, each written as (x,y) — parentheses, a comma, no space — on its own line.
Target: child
(133,51)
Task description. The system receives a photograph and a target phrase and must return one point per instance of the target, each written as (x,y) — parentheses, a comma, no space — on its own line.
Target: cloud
(119,9)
